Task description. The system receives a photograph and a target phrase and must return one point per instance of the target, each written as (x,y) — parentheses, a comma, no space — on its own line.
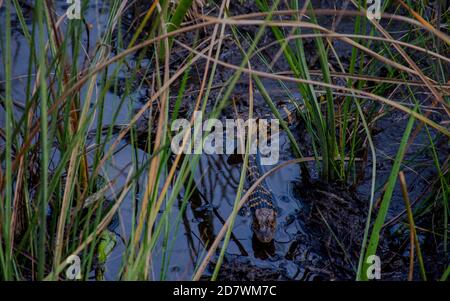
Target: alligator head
(264,224)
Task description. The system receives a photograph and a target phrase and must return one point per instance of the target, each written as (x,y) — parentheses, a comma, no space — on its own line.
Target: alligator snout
(264,224)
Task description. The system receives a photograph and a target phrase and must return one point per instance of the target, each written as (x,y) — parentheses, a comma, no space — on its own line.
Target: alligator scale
(261,204)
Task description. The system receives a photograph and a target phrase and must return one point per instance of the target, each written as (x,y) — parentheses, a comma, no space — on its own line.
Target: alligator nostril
(268,239)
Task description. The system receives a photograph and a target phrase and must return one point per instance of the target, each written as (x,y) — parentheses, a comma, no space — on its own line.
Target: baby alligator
(261,204)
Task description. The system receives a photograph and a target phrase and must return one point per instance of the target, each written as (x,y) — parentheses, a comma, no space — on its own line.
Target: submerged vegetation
(86,107)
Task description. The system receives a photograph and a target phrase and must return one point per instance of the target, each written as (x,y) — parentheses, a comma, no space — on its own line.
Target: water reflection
(262,250)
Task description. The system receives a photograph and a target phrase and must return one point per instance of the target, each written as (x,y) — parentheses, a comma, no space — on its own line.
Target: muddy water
(217,183)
